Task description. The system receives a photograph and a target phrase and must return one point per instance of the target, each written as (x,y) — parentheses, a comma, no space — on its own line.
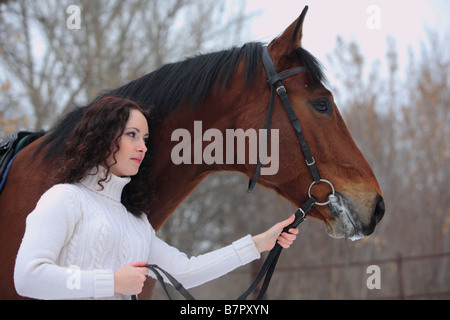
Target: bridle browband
(276,85)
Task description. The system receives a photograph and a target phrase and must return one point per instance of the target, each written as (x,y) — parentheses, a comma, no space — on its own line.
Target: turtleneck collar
(113,186)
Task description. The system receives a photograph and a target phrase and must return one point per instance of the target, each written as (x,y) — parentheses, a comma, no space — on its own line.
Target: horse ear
(291,38)
(298,33)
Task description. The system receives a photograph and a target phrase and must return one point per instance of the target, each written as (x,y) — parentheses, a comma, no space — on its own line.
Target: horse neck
(175,182)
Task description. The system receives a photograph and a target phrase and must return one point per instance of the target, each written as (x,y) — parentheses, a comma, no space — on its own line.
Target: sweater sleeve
(195,271)
(48,228)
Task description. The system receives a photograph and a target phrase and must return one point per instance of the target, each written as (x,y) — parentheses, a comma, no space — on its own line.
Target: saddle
(15,143)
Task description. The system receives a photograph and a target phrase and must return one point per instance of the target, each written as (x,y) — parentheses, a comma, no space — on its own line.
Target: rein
(266,272)
(276,85)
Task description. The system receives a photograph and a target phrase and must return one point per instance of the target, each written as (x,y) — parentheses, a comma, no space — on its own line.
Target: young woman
(87,236)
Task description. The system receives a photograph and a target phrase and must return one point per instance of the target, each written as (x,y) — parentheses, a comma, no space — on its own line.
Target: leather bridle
(276,85)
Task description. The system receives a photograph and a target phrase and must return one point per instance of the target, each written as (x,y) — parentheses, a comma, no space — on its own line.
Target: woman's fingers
(286,239)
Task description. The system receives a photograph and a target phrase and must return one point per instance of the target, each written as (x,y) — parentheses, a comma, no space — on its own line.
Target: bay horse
(224,90)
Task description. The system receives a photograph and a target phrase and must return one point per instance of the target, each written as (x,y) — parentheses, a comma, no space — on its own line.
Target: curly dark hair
(94,140)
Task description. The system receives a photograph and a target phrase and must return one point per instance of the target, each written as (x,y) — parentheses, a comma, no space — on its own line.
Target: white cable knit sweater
(79,235)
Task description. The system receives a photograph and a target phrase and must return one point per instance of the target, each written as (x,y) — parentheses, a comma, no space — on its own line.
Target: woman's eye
(132,134)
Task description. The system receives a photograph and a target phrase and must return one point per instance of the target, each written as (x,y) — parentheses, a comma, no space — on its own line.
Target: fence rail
(424,276)
(400,262)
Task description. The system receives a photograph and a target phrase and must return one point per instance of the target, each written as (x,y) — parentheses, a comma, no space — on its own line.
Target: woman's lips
(137,160)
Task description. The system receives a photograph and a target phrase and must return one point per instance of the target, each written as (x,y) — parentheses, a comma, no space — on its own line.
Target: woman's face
(132,147)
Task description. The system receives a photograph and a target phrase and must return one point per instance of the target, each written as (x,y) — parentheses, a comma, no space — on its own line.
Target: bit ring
(332,191)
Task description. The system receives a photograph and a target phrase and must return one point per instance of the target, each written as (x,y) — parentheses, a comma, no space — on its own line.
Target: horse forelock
(312,65)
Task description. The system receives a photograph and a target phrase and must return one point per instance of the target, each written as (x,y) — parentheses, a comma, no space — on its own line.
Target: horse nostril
(379,210)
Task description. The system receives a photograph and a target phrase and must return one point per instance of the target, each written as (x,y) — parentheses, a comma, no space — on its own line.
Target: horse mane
(176,84)
(190,81)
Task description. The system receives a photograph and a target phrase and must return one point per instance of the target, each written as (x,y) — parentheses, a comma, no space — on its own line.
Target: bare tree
(51,67)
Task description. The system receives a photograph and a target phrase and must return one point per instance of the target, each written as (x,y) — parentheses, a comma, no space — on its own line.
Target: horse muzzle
(353,219)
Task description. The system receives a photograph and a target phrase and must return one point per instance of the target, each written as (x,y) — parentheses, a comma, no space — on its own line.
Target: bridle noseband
(276,85)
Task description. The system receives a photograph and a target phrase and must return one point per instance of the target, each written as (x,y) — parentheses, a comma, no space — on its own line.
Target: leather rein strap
(266,272)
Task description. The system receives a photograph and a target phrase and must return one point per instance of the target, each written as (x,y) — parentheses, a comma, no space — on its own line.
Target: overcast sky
(405,20)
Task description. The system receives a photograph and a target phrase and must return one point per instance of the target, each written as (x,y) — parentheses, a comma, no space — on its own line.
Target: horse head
(202,98)
(357,204)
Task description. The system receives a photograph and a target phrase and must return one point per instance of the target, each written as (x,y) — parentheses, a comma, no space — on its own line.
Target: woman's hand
(266,240)
(130,279)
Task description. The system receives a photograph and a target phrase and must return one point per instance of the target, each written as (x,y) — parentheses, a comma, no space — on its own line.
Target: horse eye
(322,105)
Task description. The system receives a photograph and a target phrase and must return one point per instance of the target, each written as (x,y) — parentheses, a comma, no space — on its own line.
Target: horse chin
(339,232)
(343,222)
